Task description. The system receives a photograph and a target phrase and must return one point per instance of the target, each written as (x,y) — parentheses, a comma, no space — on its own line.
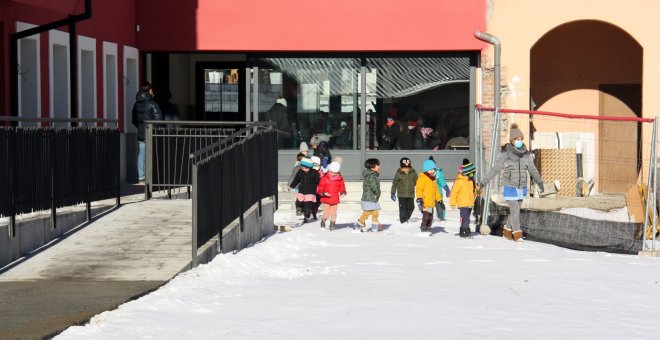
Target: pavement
(121,255)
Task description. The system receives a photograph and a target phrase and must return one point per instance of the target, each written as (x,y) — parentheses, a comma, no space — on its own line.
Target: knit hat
(405,162)
(428,165)
(468,169)
(317,162)
(307,163)
(334,167)
(515,132)
(343,124)
(315,140)
(281,101)
(303,147)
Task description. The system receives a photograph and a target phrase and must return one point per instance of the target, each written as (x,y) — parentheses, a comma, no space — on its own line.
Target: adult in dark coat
(278,115)
(391,134)
(145,108)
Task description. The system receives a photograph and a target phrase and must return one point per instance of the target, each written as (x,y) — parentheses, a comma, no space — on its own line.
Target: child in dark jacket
(370,195)
(307,181)
(404,184)
(294,172)
(330,188)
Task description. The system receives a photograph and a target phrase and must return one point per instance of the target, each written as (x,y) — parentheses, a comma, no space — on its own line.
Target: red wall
(295,25)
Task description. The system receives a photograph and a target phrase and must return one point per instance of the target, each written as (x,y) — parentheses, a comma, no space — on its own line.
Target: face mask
(518,144)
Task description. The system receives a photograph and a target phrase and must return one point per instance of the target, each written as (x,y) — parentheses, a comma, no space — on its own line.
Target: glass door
(220,91)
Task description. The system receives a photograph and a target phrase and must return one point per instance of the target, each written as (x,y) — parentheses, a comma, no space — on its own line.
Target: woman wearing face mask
(515,162)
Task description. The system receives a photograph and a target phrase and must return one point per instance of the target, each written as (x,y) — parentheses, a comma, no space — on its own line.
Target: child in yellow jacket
(462,195)
(427,193)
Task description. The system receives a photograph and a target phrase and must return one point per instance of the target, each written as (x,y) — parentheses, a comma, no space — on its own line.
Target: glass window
(418,103)
(221,90)
(310,97)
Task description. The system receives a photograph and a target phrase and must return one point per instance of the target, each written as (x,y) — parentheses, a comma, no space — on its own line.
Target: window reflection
(412,103)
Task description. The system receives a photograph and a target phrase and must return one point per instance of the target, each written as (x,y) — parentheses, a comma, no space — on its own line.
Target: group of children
(316,185)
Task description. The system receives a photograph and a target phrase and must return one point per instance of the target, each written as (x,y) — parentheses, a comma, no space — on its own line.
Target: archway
(594,68)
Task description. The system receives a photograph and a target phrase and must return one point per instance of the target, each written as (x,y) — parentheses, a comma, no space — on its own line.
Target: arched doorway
(594,68)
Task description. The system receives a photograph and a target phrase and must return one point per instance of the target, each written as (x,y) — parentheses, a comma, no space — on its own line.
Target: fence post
(195,205)
(88,133)
(116,146)
(12,177)
(148,160)
(53,179)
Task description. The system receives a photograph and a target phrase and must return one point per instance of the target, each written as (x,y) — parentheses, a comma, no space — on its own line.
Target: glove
(541,188)
(420,204)
(447,191)
(343,193)
(393,196)
(326,194)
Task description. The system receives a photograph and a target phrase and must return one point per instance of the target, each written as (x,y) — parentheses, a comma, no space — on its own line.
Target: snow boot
(332,225)
(506,232)
(322,224)
(358,226)
(305,220)
(299,211)
(518,236)
(380,227)
(374,227)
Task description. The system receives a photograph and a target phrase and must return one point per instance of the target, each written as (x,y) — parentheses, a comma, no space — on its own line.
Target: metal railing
(229,177)
(45,168)
(169,145)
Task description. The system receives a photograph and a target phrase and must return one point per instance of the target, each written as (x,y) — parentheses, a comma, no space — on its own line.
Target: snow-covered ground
(400,284)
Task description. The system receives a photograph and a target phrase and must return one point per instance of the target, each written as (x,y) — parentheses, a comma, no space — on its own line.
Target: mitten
(393,196)
(420,204)
(326,194)
(541,188)
(447,191)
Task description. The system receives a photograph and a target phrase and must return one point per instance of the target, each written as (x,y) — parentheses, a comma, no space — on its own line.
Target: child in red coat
(329,189)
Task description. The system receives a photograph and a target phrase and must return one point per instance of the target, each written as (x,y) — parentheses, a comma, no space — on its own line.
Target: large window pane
(425,100)
(309,97)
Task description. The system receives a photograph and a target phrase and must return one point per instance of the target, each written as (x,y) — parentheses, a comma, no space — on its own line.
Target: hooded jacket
(514,164)
(370,186)
(306,181)
(145,108)
(403,183)
(333,185)
(462,193)
(427,190)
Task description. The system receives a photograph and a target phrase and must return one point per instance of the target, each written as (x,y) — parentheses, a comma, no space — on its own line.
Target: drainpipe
(71,23)
(496,125)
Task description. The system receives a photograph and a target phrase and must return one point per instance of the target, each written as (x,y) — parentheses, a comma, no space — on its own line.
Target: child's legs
(307,208)
(406,208)
(374,216)
(465,217)
(363,218)
(427,218)
(331,211)
(326,211)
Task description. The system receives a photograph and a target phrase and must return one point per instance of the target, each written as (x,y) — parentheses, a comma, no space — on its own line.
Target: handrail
(225,140)
(58,120)
(203,123)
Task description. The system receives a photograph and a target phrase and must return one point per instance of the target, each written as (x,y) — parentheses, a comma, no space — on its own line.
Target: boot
(374,227)
(305,220)
(380,227)
(506,232)
(358,226)
(322,224)
(332,225)
(518,235)
(299,211)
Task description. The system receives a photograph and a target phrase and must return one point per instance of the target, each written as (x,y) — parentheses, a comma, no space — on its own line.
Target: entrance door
(220,88)
(620,147)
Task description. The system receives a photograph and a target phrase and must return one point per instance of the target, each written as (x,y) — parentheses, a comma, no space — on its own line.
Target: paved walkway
(122,254)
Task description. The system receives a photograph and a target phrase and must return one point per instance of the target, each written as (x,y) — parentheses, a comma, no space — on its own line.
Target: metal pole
(148,160)
(655,180)
(496,125)
(363,115)
(649,183)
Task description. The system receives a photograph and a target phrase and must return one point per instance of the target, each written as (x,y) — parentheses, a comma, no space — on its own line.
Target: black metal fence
(48,168)
(229,177)
(168,148)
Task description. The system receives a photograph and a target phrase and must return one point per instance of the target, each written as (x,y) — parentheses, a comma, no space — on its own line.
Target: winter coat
(306,182)
(462,193)
(403,183)
(370,186)
(391,137)
(322,151)
(294,172)
(514,164)
(145,108)
(440,179)
(278,115)
(333,185)
(427,190)
(405,139)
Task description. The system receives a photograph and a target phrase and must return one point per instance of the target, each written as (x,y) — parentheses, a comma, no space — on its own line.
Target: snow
(315,284)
